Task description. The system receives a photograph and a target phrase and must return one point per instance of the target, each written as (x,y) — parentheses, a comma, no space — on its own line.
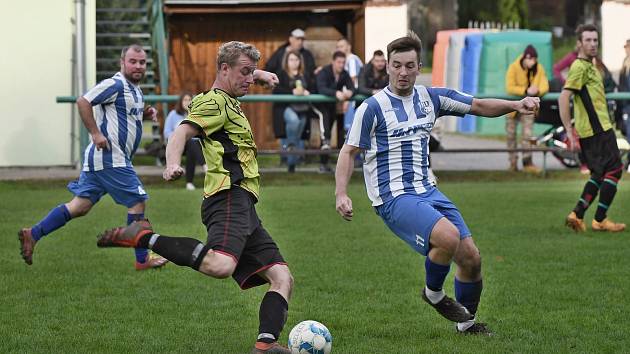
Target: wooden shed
(196,29)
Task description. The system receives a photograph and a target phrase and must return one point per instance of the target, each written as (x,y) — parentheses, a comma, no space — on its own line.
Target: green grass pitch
(547,290)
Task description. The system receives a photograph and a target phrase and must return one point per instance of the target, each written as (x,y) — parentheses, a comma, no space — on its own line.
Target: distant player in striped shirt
(393,128)
(112,112)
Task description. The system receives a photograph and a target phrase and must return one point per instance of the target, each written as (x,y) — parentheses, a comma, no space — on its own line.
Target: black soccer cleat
(449,308)
(478,329)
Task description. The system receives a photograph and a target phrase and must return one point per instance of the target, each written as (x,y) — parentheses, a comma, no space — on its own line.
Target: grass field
(547,290)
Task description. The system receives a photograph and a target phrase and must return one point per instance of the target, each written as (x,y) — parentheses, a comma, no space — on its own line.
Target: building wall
(36,67)
(615,32)
(382,25)
(194,40)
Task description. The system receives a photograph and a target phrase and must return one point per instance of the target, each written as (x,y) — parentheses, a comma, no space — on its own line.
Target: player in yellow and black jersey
(227,142)
(237,244)
(595,131)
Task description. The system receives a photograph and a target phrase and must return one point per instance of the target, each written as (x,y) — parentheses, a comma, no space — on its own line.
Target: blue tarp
(471,55)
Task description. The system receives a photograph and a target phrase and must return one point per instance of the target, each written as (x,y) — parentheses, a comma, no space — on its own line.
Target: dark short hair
(338,54)
(136,47)
(378,53)
(585,28)
(404,44)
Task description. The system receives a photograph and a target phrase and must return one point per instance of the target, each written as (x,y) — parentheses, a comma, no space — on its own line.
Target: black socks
(183,251)
(273,316)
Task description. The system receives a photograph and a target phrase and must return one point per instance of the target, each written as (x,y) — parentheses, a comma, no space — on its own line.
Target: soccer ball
(310,337)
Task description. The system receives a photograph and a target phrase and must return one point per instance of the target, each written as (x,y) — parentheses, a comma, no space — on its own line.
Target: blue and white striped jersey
(353,65)
(118,108)
(394,132)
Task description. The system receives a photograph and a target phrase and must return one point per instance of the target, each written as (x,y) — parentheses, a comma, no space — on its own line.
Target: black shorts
(601,153)
(234,229)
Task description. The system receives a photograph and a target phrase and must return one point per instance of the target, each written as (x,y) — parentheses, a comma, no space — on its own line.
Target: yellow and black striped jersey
(590,109)
(227,142)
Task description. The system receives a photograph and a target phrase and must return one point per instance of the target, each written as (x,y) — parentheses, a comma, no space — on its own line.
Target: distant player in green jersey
(237,244)
(595,131)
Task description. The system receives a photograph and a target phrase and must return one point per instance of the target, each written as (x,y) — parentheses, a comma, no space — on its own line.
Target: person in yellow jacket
(525,77)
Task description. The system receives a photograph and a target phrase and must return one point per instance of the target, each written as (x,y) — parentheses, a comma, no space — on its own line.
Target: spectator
(561,69)
(373,76)
(192,150)
(353,62)
(295,43)
(353,67)
(609,83)
(525,77)
(624,74)
(292,117)
(333,81)
(624,86)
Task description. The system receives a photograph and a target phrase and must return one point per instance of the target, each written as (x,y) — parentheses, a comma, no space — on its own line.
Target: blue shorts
(412,217)
(122,183)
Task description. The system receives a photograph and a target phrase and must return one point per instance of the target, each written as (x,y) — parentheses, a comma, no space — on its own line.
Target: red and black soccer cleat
(124,236)
(270,348)
(27,245)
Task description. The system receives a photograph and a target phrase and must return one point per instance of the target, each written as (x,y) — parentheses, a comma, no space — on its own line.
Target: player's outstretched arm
(343,172)
(493,107)
(175,149)
(266,78)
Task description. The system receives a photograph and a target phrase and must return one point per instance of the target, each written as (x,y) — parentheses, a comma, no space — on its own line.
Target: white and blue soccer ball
(310,337)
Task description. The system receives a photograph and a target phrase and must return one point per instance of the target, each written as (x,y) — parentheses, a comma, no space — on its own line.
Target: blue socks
(55,219)
(468,294)
(435,274)
(141,253)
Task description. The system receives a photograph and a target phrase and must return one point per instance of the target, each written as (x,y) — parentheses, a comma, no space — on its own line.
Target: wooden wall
(195,38)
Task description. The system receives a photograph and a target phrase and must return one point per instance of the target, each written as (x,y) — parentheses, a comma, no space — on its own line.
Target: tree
(504,11)
(513,11)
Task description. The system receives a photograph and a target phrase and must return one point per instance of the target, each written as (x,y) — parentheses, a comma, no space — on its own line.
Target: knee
(445,248)
(282,280)
(217,268)
(614,175)
(470,262)
(448,240)
(452,242)
(290,116)
(80,212)
(283,284)
(78,209)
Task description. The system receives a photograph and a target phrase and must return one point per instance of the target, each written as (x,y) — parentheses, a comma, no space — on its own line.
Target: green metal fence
(317,98)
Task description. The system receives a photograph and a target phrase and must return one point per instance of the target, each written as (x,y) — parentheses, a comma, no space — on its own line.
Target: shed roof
(246,2)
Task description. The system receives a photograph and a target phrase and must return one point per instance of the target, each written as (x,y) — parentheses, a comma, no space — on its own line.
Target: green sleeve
(207,112)
(575,79)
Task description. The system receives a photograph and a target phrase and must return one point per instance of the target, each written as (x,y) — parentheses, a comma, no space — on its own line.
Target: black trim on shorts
(596,125)
(234,229)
